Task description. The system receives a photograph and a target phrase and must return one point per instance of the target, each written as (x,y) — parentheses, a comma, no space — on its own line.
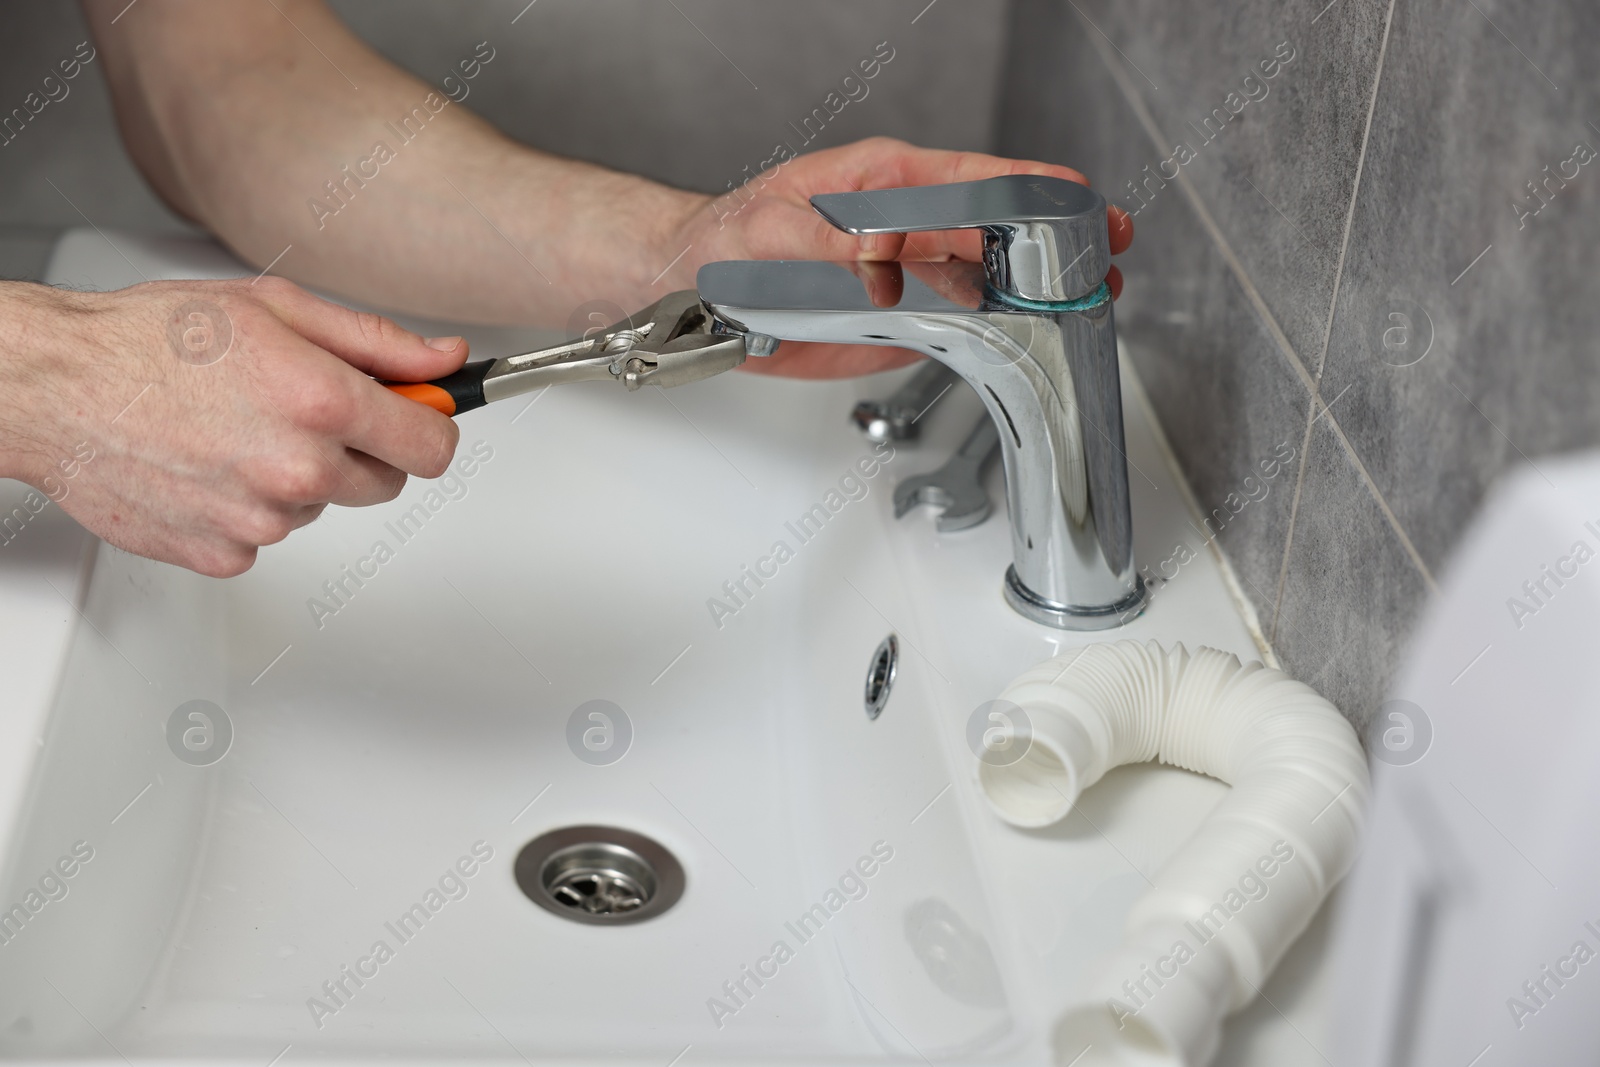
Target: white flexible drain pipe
(1225,908)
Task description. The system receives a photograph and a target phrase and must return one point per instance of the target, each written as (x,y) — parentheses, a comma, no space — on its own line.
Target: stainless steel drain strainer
(602,875)
(600,892)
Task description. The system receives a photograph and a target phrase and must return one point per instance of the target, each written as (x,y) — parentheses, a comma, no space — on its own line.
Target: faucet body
(1031,329)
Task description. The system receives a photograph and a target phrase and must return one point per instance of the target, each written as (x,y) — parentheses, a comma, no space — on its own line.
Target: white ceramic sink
(428,716)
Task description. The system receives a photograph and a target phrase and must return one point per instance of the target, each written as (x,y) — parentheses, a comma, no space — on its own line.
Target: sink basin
(387,725)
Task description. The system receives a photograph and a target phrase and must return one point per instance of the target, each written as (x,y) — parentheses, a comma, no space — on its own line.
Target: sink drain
(599,874)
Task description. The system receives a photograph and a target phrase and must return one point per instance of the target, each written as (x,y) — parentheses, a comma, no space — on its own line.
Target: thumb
(371,343)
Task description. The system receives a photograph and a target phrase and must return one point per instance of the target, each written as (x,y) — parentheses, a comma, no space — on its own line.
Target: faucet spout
(1045,370)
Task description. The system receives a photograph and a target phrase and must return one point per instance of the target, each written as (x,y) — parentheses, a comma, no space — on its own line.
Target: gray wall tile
(1279,175)
(1513,373)
(1351,592)
(25,251)
(73,142)
(641,85)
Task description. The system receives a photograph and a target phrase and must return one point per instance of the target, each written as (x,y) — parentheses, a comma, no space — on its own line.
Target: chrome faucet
(1030,329)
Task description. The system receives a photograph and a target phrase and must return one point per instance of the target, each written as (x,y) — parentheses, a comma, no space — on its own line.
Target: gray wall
(635,84)
(1382,161)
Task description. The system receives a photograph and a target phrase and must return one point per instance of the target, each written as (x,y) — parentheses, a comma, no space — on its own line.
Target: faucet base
(1031,606)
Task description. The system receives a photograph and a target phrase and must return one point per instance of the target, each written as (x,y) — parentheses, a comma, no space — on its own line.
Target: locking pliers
(675,341)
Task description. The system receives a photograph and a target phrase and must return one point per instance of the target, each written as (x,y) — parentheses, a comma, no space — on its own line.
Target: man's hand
(772,218)
(219,415)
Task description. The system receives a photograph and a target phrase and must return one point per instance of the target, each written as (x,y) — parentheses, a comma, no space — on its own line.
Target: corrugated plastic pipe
(1226,907)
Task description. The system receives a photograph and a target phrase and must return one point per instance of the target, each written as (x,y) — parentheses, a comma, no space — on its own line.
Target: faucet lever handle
(1045,239)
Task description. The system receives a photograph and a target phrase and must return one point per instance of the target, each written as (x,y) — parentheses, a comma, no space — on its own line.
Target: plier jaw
(674,341)
(681,342)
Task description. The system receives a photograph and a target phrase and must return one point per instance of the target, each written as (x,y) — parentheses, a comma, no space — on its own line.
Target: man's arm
(240,113)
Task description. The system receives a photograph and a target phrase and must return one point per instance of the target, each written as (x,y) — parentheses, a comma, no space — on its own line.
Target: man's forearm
(276,128)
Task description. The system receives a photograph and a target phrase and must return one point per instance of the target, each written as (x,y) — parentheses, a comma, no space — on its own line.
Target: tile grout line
(1294,514)
(1355,191)
(1327,336)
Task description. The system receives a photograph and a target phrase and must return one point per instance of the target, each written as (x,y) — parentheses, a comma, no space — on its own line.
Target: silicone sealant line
(1084,303)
